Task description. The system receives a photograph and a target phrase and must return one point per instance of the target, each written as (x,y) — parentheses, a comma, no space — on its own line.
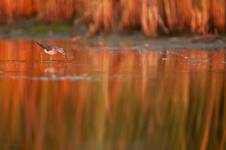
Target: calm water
(111,98)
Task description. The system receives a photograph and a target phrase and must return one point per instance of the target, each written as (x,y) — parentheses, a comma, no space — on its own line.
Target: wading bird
(52,50)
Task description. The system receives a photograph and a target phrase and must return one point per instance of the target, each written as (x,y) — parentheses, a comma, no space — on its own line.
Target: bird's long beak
(36,42)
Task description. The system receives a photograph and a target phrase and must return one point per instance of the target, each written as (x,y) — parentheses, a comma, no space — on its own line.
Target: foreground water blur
(121,98)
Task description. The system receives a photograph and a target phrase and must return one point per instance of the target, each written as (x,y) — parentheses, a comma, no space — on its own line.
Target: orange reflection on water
(111,99)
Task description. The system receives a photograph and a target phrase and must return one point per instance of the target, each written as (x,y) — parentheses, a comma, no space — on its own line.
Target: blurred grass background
(152,17)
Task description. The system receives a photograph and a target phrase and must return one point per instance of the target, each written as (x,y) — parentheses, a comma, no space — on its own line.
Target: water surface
(111,97)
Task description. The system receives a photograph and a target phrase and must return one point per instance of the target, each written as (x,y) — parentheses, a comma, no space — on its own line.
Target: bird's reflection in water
(50,70)
(55,70)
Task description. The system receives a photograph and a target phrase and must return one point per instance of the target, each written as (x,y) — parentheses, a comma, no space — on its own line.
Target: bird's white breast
(51,52)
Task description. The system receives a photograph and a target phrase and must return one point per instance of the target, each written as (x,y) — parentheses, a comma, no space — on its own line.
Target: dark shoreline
(135,39)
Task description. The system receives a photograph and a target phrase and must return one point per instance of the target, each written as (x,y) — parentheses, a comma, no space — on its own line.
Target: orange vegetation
(151,16)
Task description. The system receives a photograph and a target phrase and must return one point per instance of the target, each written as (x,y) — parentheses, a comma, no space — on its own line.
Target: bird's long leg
(65,57)
(41,56)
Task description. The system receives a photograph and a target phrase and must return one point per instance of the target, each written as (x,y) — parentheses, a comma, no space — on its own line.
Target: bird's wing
(61,50)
